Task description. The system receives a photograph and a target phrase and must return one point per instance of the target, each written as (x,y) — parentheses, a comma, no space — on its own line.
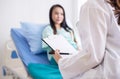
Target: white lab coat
(100,35)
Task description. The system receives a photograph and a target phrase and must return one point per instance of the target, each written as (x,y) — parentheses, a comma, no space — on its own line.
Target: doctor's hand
(56,55)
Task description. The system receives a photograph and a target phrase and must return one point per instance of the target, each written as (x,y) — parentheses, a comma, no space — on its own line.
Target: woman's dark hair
(63,24)
(116,5)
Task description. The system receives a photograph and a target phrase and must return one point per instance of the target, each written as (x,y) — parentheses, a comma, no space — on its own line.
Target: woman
(100,34)
(58,26)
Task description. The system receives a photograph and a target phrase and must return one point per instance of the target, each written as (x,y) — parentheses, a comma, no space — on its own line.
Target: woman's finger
(57,56)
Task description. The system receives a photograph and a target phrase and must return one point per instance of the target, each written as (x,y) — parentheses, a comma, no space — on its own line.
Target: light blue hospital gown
(49,31)
(49,71)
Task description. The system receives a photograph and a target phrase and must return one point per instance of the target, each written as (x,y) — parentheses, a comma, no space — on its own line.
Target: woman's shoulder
(47,28)
(96,5)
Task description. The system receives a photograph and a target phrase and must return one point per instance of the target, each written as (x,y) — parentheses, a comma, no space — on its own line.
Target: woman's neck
(58,26)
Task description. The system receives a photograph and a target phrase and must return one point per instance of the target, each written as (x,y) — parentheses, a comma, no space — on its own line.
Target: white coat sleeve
(93,32)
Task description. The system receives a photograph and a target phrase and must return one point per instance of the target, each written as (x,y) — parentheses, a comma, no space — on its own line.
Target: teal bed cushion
(44,71)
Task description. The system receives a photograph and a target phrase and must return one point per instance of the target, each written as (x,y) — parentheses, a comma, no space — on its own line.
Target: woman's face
(57,15)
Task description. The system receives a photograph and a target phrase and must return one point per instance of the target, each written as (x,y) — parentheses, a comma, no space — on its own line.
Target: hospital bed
(18,55)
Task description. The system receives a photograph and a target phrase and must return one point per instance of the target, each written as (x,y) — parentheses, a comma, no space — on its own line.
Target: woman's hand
(56,55)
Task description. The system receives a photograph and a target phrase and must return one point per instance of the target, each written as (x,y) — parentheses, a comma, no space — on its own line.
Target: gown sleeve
(46,32)
(93,31)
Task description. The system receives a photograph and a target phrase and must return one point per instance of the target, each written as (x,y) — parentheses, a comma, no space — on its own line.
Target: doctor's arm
(93,32)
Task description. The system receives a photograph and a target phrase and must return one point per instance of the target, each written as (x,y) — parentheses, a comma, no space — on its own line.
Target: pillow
(33,34)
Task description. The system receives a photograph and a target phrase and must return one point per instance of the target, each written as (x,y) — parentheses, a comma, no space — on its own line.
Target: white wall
(36,11)
(14,11)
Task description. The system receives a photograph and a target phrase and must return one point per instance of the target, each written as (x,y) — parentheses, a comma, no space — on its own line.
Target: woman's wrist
(57,56)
